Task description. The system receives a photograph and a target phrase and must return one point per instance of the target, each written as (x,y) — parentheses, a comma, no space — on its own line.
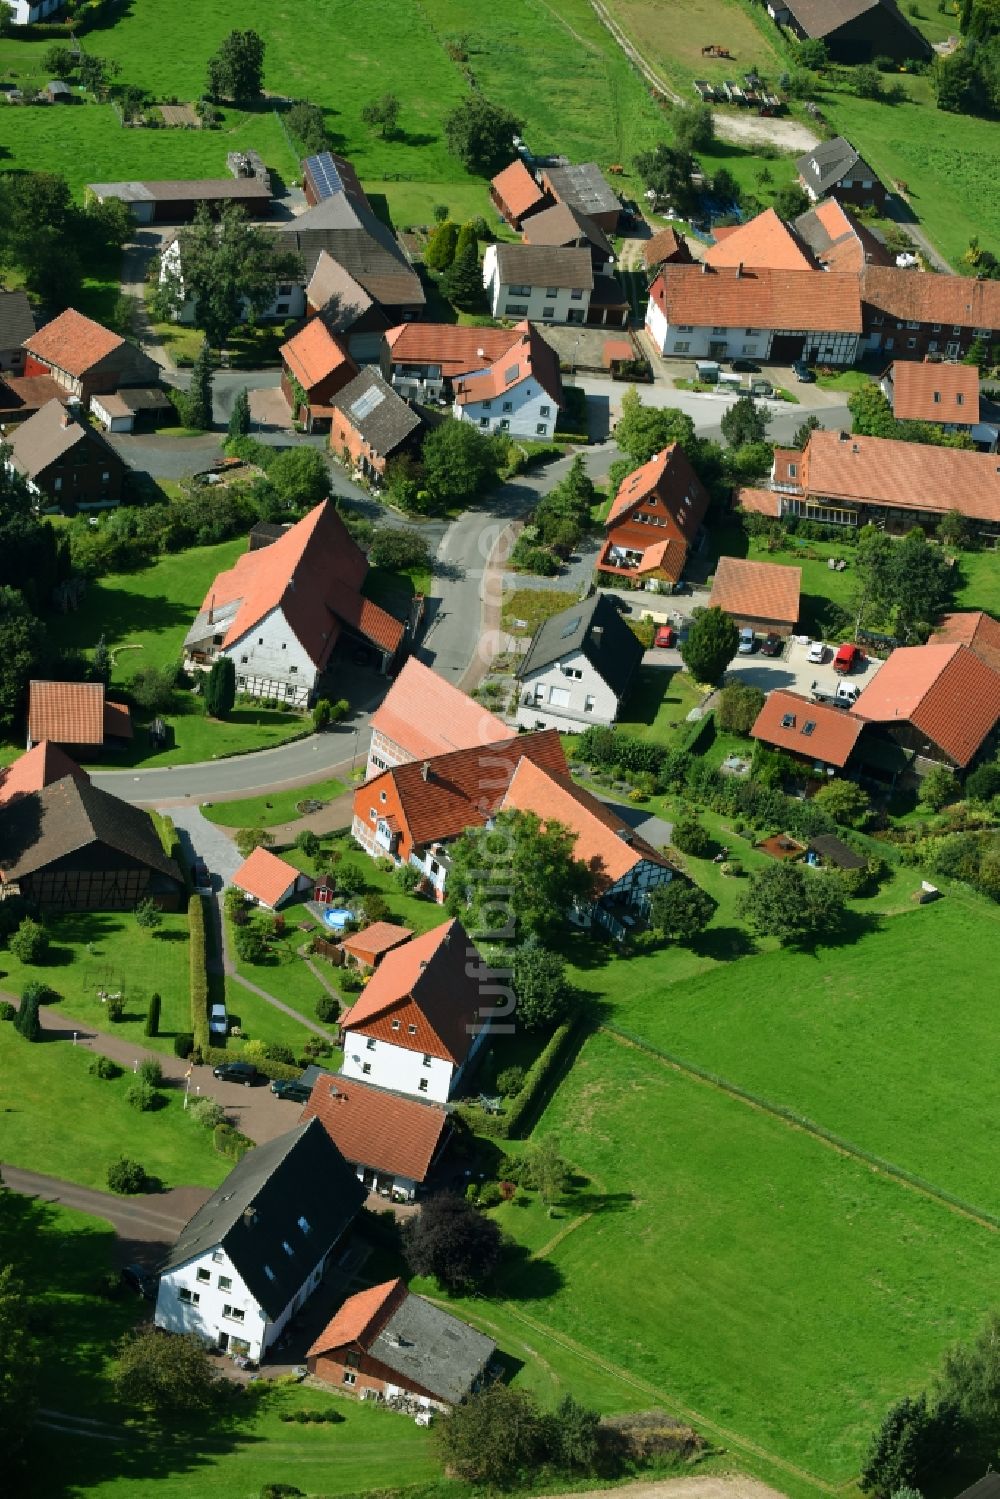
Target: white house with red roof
(520,393)
(392,1142)
(423,1016)
(281,610)
(423,715)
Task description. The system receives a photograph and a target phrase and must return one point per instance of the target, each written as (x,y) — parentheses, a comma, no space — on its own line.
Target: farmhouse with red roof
(392,1142)
(281,610)
(423,715)
(85,358)
(938,703)
(314,366)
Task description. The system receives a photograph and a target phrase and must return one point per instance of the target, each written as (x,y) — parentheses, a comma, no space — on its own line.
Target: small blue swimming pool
(338,917)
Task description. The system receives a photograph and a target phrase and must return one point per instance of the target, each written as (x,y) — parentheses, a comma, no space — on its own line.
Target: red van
(847,658)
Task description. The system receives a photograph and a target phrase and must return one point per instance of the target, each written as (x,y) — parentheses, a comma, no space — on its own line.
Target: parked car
(747,642)
(218,1021)
(846,694)
(664,638)
(817,653)
(236,1072)
(772,645)
(802,372)
(847,658)
(290,1088)
(745,367)
(144,1281)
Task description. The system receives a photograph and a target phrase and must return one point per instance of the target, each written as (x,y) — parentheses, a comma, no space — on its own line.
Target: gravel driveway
(204,840)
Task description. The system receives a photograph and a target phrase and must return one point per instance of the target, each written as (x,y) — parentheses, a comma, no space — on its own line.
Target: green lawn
(979,581)
(406,910)
(285,975)
(60,1120)
(748,1272)
(268,811)
(93,950)
(659,703)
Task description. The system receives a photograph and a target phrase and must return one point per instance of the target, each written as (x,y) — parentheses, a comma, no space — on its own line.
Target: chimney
(211,610)
(739,269)
(423,964)
(597,634)
(425,770)
(704,268)
(67,420)
(843,437)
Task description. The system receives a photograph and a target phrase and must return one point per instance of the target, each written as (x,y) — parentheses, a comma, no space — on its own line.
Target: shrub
(151,1072)
(207,1112)
(126,1176)
(351,982)
(115,1007)
(230,1142)
(490,1195)
(104,1068)
(308,843)
(153,1016)
(280,1490)
(7,1010)
(30,943)
(183,1044)
(278,1051)
(690,837)
(327,1008)
(510,1081)
(406,878)
(142,1096)
(983,784)
(374,906)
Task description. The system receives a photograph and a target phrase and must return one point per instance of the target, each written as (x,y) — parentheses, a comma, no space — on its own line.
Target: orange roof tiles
(373,1127)
(810,301)
(667,244)
(314,354)
(902,475)
(757,590)
(455,348)
(606,844)
(381,937)
(783,722)
(671,478)
(947,692)
(927,297)
(36,768)
(935,392)
(370,619)
(516,187)
(426,716)
(530,358)
(764,241)
(73,343)
(438,973)
(759,501)
(358,1314)
(976,629)
(66,712)
(266,877)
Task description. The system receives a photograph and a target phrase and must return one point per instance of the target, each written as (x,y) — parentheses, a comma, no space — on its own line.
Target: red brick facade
(368,1373)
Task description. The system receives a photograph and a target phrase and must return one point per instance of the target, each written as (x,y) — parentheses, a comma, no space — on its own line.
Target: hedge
(506,1126)
(167,833)
(230,1142)
(199,973)
(699,735)
(214,1056)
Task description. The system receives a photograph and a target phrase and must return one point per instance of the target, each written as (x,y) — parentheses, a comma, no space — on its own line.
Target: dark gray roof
(181,190)
(824,166)
(544,265)
(16,321)
(987,1487)
(594,627)
(821,18)
(66,817)
(836,851)
(144,398)
(46,436)
(583,187)
(353,235)
(431,1348)
(376,411)
(256,1212)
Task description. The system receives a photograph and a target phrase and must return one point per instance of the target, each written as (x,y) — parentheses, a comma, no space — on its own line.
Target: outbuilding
(269,881)
(758,595)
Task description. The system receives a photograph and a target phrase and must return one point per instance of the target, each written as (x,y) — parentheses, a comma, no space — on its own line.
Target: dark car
(802,372)
(772,645)
(142,1280)
(236,1072)
(744,367)
(290,1088)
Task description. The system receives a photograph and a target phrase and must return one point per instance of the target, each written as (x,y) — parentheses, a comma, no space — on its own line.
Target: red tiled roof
(809,301)
(935,392)
(976,629)
(946,691)
(764,241)
(73,343)
(757,590)
(852,245)
(369,619)
(455,348)
(671,478)
(437,972)
(831,740)
(928,297)
(426,716)
(36,768)
(360,1314)
(315,353)
(606,844)
(378,938)
(310,571)
(901,475)
(665,245)
(516,187)
(373,1127)
(462,789)
(66,712)
(266,877)
(760,501)
(530,358)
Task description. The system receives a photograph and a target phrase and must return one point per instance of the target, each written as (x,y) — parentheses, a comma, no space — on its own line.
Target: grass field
(276,807)
(784,1292)
(59,1120)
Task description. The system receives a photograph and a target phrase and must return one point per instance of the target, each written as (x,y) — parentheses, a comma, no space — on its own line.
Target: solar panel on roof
(570,628)
(365,405)
(326,179)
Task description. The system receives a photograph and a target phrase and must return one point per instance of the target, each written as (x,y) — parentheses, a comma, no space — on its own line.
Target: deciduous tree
(450,1240)
(538,978)
(148,915)
(681,910)
(796,905)
(247,839)
(459,462)
(20,1359)
(236,70)
(517,876)
(912,1443)
(481,134)
(382,115)
(845,801)
(497,1437)
(163,1376)
(30,942)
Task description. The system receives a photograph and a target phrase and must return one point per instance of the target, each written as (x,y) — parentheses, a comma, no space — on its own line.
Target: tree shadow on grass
(724,943)
(522,1278)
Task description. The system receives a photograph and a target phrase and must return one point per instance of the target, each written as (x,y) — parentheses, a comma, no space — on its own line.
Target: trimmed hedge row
(199,973)
(167,831)
(699,735)
(213,1056)
(506,1126)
